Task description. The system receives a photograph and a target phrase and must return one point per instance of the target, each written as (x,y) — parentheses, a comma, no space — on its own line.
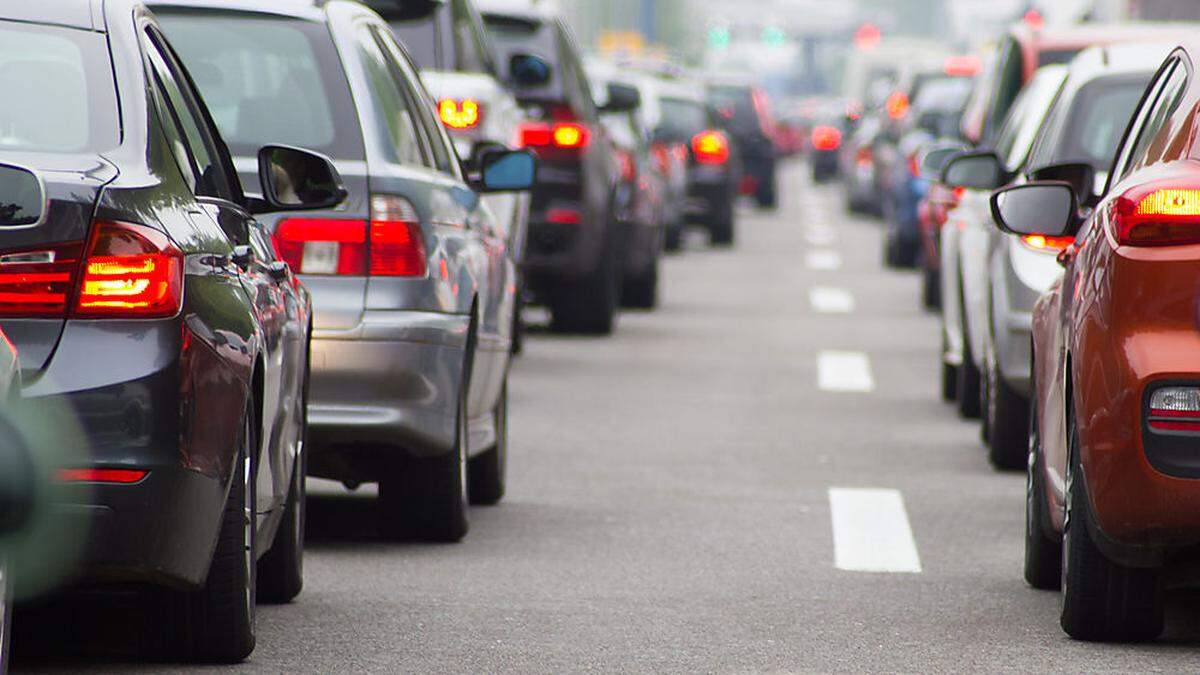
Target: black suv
(745,114)
(574,252)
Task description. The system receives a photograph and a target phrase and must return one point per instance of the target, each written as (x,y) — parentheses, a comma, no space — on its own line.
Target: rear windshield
(1089,128)
(268,80)
(421,37)
(682,119)
(736,105)
(515,35)
(944,94)
(59,94)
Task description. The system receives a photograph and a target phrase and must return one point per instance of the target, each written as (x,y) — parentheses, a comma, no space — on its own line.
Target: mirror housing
(294,179)
(622,98)
(1048,208)
(22,197)
(1080,175)
(506,171)
(979,170)
(934,160)
(527,70)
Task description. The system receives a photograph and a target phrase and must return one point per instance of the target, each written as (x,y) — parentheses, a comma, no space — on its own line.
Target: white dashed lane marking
(831,300)
(823,260)
(871,532)
(844,372)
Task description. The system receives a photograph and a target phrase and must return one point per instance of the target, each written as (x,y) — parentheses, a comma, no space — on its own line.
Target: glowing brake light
(1158,217)
(397,247)
(1044,244)
(37,282)
(897,105)
(564,135)
(826,138)
(967,65)
(121,476)
(129,270)
(464,114)
(389,245)
(710,147)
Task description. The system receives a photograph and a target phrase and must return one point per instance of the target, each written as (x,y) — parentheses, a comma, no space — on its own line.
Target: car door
(218,194)
(485,251)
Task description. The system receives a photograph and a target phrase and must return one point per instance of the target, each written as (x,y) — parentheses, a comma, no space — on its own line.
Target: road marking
(824,260)
(844,372)
(831,300)
(820,235)
(871,531)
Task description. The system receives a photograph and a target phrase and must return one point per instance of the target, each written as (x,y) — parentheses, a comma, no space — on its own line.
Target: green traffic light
(774,36)
(718,37)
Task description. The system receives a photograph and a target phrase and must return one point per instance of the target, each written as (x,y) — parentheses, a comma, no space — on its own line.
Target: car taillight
(390,245)
(563,135)
(397,248)
(662,157)
(460,114)
(129,271)
(958,193)
(1044,244)
(864,157)
(1157,217)
(897,105)
(628,166)
(564,216)
(914,165)
(1174,409)
(38,282)
(710,147)
(121,476)
(826,138)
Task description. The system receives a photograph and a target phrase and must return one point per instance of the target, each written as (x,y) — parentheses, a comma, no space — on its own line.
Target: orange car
(1114,480)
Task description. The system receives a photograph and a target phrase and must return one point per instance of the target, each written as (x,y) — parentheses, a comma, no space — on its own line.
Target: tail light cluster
(1174,409)
(389,245)
(1164,216)
(123,271)
(561,135)
(826,138)
(628,166)
(1044,244)
(710,147)
(460,114)
(914,165)
(897,105)
(864,157)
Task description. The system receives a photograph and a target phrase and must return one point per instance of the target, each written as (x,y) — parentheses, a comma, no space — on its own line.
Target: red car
(1114,481)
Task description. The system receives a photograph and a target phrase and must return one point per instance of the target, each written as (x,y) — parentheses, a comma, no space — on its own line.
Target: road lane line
(823,260)
(820,235)
(844,372)
(871,532)
(831,300)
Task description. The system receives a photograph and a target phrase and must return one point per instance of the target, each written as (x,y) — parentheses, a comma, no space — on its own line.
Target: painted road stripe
(820,235)
(822,259)
(831,300)
(844,372)
(871,531)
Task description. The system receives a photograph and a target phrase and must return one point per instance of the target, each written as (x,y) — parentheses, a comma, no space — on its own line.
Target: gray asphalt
(668,507)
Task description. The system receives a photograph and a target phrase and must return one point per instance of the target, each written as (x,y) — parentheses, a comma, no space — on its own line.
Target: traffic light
(719,37)
(774,36)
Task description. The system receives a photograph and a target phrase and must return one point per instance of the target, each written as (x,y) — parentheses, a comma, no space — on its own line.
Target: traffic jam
(554,336)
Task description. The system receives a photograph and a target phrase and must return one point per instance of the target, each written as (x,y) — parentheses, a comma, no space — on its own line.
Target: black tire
(767,193)
(1102,601)
(642,293)
(1043,552)
(931,289)
(588,306)
(949,387)
(721,226)
(486,472)
(426,499)
(673,239)
(215,623)
(968,390)
(1007,421)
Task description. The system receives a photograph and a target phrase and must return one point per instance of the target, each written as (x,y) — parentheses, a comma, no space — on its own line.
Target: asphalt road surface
(758,477)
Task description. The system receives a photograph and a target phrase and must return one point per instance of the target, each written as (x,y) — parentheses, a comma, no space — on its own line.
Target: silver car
(413,284)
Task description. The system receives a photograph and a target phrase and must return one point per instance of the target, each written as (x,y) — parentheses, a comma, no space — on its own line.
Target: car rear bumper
(709,191)
(391,384)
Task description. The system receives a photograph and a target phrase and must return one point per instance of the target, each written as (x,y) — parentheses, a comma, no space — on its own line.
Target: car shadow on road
(333,520)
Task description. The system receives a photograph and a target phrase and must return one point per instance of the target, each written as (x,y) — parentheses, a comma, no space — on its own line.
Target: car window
(67,100)
(1139,119)
(423,38)
(1026,116)
(1011,77)
(1088,126)
(183,104)
(392,109)
(512,35)
(575,81)
(433,134)
(682,119)
(1143,153)
(470,53)
(268,79)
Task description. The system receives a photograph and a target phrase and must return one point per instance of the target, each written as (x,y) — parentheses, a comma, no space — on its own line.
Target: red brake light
(397,247)
(564,216)
(564,135)
(38,282)
(914,165)
(1154,216)
(129,270)
(628,167)
(967,65)
(710,147)
(323,246)
(826,138)
(122,476)
(1044,244)
(464,114)
(864,156)
(897,105)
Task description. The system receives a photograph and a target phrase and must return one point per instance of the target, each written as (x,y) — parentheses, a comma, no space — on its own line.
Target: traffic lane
(669,507)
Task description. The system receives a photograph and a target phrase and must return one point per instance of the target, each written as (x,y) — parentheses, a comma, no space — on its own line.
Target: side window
(1164,106)
(483,42)
(392,108)
(183,107)
(467,50)
(579,92)
(1125,151)
(444,156)
(1010,77)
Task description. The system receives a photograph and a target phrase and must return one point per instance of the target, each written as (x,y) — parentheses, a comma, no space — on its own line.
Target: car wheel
(931,289)
(426,499)
(721,227)
(642,293)
(949,376)
(1102,600)
(215,623)
(1007,421)
(588,306)
(967,387)
(673,239)
(486,472)
(767,194)
(1043,553)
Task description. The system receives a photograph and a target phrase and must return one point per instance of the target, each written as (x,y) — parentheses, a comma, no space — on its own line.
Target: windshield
(682,119)
(268,80)
(59,91)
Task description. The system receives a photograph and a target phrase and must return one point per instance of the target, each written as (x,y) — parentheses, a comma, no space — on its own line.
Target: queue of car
(251,242)
(1060,231)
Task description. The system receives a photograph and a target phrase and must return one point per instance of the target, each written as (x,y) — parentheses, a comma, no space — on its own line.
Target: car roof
(1133,57)
(312,10)
(1086,35)
(83,14)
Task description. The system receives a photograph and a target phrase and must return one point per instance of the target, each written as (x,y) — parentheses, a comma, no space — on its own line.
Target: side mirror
(980,170)
(1081,176)
(527,70)
(1047,208)
(622,98)
(934,161)
(22,199)
(506,171)
(295,180)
